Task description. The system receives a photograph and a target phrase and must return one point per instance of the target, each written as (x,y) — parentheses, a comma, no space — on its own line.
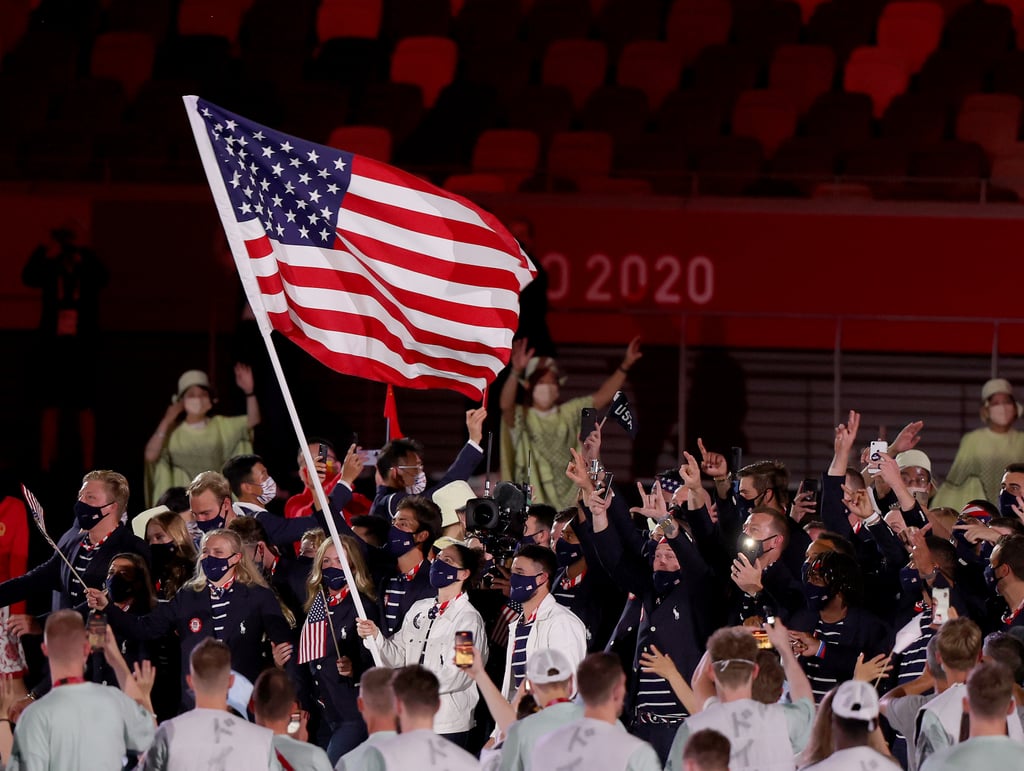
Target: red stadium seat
(348,18)
(620,110)
(427,61)
(544,109)
(765,26)
(652,66)
(991,121)
(728,167)
(511,154)
(576,155)
(877,72)
(622,21)
(844,119)
(126,57)
(200,17)
(767,116)
(579,66)
(467,184)
(1008,170)
(911,29)
(694,25)
(916,117)
(808,7)
(803,73)
(371,141)
(550,20)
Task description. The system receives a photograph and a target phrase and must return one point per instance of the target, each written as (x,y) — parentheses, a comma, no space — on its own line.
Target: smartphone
(464,649)
(369,457)
(751,547)
(588,422)
(763,643)
(940,606)
(606,488)
(97,630)
(294,723)
(812,486)
(875,455)
(321,453)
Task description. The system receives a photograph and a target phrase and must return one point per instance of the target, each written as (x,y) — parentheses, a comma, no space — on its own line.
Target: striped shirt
(519,651)
(75,590)
(822,681)
(220,601)
(394,600)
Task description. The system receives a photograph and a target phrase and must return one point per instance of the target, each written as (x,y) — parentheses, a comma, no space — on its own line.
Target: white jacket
(554,627)
(459,694)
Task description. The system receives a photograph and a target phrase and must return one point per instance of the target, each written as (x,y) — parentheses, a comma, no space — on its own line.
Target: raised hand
(690,472)
(578,471)
(873,669)
(633,353)
(654,503)
(907,438)
(521,355)
(713,464)
(352,466)
(243,377)
(846,433)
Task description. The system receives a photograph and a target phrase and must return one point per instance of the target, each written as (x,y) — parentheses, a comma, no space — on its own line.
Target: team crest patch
(194,625)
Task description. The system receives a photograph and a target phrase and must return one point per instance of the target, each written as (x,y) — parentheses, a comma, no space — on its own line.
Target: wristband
(874,519)
(820,654)
(726,478)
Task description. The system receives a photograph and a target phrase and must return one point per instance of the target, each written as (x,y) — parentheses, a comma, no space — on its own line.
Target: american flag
(373,271)
(313,638)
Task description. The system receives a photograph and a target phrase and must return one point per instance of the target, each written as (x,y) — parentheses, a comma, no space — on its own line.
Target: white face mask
(269,488)
(545,395)
(1002,414)
(418,485)
(194,405)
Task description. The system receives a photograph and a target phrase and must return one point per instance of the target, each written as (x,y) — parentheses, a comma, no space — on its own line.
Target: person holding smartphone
(429,634)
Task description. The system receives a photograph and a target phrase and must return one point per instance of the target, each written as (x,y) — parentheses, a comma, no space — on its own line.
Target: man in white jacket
(417,746)
(543,623)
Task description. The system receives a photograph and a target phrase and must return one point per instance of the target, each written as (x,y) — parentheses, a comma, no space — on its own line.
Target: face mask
(119,588)
(991,579)
(418,485)
(817,597)
(1002,414)
(215,567)
(195,405)
(545,395)
(522,588)
(910,581)
(442,574)
(206,525)
(269,491)
(87,515)
(1007,501)
(664,580)
(334,578)
(162,553)
(567,553)
(399,542)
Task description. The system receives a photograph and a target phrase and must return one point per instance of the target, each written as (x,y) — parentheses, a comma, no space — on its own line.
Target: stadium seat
(313,110)
(371,141)
(428,62)
(349,18)
(912,29)
(842,118)
(804,161)
(694,117)
(949,171)
(949,76)
(1008,170)
(982,30)
(729,167)
(808,7)
(694,25)
(1007,74)
(767,116)
(398,107)
(14,17)
(409,18)
(881,164)
(544,109)
(579,66)
(504,65)
(916,117)
(102,99)
(467,184)
(802,72)
(126,57)
(652,66)
(618,110)
(486,20)
(660,159)
(550,20)
(449,130)
(841,27)
(513,155)
(204,59)
(724,71)
(200,17)
(767,25)
(152,17)
(576,155)
(877,72)
(991,121)
(620,22)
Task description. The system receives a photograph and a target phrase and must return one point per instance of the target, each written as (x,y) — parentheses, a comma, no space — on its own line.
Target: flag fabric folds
(623,413)
(373,271)
(313,637)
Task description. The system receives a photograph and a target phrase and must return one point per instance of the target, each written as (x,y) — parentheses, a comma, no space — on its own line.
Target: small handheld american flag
(37,516)
(313,638)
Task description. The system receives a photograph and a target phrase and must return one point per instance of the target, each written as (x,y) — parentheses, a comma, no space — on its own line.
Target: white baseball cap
(856,700)
(548,665)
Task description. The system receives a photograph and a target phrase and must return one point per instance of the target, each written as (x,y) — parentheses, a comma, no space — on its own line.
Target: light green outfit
(188,451)
(541,442)
(523,734)
(302,756)
(977,469)
(83,726)
(995,752)
(354,759)
(761,736)
(589,743)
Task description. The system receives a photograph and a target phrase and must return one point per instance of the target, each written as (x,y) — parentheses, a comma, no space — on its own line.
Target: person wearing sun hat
(985,452)
(188,440)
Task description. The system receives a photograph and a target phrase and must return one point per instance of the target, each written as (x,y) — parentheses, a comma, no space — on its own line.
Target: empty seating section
(894,99)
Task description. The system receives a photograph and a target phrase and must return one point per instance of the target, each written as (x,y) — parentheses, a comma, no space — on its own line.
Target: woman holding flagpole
(428,633)
(334,656)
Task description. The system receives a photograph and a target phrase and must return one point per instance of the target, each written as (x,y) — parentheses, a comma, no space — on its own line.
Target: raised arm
(244,380)
(799,685)
(521,356)
(156,442)
(603,396)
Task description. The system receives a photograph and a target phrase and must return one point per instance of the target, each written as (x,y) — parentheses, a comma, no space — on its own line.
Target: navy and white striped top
(523,628)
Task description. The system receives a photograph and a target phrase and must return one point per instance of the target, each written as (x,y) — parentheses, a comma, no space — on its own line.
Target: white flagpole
(252,294)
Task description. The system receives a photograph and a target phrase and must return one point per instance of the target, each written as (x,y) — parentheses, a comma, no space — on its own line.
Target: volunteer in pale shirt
(762,736)
(854,718)
(597,740)
(984,452)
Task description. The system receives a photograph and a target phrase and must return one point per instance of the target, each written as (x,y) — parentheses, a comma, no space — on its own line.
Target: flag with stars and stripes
(313,637)
(373,271)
